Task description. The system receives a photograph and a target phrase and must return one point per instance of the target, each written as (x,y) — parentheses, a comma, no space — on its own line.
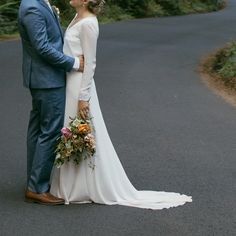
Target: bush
(123,9)
(114,13)
(114,10)
(8,16)
(224,65)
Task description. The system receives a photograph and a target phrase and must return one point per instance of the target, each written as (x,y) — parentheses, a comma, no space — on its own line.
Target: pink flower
(66,132)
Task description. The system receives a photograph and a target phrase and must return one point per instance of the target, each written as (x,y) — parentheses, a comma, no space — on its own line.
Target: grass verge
(218,72)
(8,37)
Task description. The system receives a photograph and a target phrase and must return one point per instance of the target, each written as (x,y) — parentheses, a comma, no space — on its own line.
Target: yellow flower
(84,128)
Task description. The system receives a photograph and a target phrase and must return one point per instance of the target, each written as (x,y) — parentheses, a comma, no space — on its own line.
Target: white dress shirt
(49,5)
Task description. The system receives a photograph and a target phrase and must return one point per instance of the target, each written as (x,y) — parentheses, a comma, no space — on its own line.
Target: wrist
(84,98)
(76,65)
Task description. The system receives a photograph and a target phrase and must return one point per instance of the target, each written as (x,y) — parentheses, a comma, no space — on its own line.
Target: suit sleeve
(88,38)
(35,25)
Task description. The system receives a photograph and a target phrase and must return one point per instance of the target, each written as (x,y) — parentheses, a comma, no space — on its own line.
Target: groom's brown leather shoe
(43,198)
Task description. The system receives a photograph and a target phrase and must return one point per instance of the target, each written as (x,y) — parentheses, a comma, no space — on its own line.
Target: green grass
(9,36)
(222,65)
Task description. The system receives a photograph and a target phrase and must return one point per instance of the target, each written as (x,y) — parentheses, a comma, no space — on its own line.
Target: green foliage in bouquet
(77,142)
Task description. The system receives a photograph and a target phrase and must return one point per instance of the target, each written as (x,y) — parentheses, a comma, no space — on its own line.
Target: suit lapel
(57,20)
(53,14)
(46,6)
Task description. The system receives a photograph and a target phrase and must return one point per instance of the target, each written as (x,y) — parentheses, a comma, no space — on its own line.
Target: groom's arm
(35,25)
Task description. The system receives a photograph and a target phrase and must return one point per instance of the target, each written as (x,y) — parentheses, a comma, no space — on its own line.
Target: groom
(44,73)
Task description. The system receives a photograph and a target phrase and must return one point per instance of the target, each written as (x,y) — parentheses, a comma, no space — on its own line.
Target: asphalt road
(169,130)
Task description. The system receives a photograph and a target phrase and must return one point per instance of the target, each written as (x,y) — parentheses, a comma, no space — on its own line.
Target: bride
(107,183)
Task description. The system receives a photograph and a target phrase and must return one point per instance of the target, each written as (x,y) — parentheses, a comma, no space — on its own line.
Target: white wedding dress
(107,183)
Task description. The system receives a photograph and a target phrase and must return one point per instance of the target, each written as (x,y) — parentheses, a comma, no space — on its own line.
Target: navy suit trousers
(46,121)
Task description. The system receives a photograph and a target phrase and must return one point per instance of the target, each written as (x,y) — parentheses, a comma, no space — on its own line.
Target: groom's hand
(83,108)
(81,68)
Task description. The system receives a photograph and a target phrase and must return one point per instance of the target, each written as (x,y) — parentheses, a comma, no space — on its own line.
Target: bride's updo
(95,6)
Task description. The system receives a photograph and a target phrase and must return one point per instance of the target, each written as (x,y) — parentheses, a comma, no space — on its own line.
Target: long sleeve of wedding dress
(107,183)
(88,39)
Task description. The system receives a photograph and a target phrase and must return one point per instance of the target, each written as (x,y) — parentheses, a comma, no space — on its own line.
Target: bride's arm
(88,37)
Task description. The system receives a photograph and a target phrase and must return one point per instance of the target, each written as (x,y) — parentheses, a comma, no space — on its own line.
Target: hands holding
(83,109)
(81,68)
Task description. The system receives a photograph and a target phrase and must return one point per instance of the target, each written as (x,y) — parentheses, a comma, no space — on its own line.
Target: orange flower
(84,128)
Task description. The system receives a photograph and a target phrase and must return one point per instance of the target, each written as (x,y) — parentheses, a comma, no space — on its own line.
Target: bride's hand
(81,68)
(83,108)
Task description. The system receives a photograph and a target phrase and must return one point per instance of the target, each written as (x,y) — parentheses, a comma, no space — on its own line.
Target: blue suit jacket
(44,64)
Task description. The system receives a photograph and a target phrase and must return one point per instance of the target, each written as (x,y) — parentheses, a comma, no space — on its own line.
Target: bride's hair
(95,6)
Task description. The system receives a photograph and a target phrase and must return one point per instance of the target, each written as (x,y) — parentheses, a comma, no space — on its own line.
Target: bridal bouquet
(77,142)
